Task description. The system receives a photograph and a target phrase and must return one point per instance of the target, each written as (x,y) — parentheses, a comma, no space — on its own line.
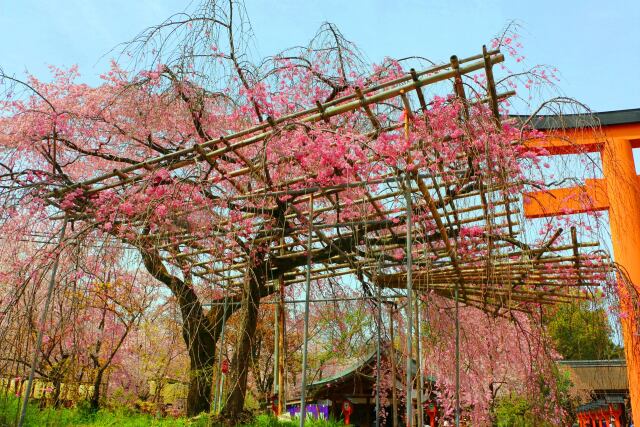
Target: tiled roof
(600,375)
(572,121)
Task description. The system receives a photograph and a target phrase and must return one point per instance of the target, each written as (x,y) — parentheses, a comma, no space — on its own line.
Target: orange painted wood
(624,218)
(619,192)
(563,201)
(574,141)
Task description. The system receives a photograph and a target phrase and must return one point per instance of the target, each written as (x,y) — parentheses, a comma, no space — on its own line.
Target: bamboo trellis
(510,274)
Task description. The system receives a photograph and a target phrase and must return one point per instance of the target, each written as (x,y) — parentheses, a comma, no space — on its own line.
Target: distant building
(605,390)
(356,384)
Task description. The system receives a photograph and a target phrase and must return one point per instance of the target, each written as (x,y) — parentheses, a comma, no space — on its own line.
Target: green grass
(268,421)
(49,417)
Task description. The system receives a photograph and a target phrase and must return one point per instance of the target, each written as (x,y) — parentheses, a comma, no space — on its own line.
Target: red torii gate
(619,192)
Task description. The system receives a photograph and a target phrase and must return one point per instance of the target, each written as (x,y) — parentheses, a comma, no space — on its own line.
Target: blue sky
(595,45)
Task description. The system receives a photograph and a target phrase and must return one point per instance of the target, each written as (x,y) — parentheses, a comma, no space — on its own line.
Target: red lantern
(347,409)
(225,367)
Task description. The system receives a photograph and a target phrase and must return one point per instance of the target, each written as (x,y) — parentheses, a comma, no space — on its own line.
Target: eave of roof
(345,373)
(357,366)
(593,363)
(575,121)
(601,403)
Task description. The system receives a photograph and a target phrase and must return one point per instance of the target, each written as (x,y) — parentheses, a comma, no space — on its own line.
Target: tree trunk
(56,376)
(56,393)
(199,331)
(94,402)
(244,347)
(201,344)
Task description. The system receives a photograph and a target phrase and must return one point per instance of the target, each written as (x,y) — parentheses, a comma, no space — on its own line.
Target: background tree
(582,331)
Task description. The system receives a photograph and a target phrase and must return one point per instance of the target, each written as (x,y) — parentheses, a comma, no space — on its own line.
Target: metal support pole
(282,404)
(280,340)
(222,377)
(392,352)
(306,319)
(419,377)
(424,365)
(409,398)
(378,327)
(276,351)
(220,386)
(457,314)
(43,319)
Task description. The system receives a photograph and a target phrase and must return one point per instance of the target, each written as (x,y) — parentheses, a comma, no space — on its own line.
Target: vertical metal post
(409,398)
(276,351)
(419,378)
(378,326)
(306,319)
(457,314)
(282,404)
(43,319)
(220,385)
(392,355)
(222,377)
(458,88)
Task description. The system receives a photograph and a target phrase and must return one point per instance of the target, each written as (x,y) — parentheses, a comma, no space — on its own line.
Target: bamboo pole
(324,112)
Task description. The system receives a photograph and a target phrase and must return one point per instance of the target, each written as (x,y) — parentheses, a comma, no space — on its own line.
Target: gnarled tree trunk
(200,332)
(199,335)
(244,346)
(94,402)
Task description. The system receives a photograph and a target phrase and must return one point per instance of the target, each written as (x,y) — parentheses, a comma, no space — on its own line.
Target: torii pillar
(619,192)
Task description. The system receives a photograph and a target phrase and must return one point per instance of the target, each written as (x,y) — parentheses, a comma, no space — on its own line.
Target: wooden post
(623,192)
(392,357)
(614,415)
